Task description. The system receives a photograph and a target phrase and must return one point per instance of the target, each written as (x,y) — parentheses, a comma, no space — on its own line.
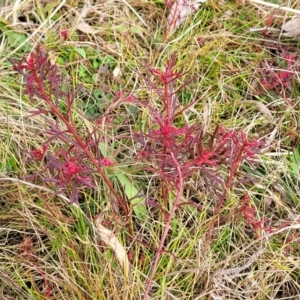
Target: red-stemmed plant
(175,149)
(79,156)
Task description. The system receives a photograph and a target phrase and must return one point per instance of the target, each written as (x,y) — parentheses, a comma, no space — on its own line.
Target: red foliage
(279,73)
(172,151)
(71,167)
(177,151)
(64,34)
(249,213)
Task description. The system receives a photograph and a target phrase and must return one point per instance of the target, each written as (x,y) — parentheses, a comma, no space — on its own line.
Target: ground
(149,149)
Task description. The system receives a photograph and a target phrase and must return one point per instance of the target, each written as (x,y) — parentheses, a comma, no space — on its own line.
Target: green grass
(50,249)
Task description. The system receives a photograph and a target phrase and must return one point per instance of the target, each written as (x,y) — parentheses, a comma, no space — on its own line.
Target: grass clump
(140,161)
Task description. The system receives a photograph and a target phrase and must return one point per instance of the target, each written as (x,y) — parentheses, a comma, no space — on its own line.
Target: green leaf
(82,72)
(135,29)
(295,162)
(81,52)
(95,78)
(49,8)
(60,60)
(15,39)
(95,64)
(138,204)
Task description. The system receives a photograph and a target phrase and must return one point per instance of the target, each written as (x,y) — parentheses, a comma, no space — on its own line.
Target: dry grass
(50,249)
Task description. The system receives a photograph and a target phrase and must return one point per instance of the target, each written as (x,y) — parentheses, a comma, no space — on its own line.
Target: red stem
(166,229)
(228,184)
(73,132)
(168,90)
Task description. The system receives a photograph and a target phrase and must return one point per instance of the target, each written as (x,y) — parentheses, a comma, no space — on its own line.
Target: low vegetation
(146,158)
